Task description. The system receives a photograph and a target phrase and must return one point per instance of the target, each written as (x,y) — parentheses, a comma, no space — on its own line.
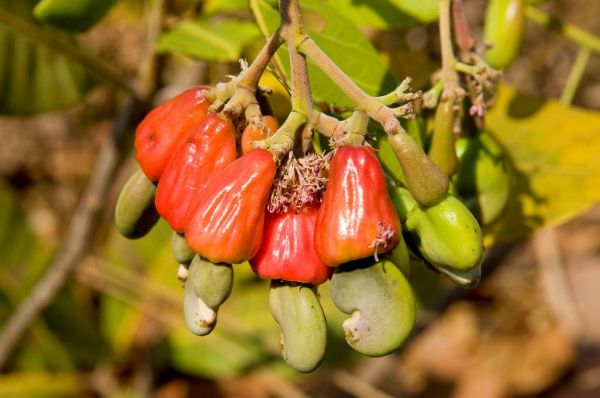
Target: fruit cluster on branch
(236,187)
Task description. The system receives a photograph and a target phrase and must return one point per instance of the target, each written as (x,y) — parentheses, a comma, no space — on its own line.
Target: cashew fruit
(380,303)
(297,310)
(135,214)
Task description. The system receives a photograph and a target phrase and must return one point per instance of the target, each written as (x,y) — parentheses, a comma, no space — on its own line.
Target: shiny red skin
(287,251)
(209,149)
(225,225)
(355,202)
(166,127)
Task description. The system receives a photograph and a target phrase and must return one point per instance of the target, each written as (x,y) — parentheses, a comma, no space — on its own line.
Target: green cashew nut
(207,286)
(135,214)
(446,234)
(380,302)
(211,282)
(200,318)
(297,310)
(180,249)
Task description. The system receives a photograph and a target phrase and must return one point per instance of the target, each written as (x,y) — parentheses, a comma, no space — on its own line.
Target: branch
(362,101)
(450,76)
(264,30)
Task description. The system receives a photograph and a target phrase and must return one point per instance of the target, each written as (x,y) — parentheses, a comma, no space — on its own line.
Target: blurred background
(101,316)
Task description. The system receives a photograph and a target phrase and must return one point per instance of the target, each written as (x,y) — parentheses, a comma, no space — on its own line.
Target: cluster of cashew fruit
(237,188)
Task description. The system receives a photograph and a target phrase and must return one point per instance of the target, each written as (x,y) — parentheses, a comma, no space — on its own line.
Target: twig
(264,30)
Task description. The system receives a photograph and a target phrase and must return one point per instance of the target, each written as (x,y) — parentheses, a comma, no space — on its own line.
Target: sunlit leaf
(387,13)
(555,152)
(218,40)
(211,7)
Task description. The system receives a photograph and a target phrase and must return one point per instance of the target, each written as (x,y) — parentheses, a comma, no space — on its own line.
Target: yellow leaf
(555,151)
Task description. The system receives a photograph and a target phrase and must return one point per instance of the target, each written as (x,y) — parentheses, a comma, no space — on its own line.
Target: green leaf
(211,7)
(72,15)
(34,78)
(388,13)
(554,150)
(221,40)
(341,40)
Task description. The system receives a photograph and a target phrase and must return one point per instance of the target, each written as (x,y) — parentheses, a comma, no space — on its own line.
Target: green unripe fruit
(427,183)
(72,15)
(207,286)
(401,257)
(442,151)
(297,310)
(381,304)
(135,214)
(483,179)
(504,20)
(446,235)
(211,282)
(180,249)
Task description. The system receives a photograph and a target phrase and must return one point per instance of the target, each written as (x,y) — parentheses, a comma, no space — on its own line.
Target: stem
(291,21)
(250,77)
(357,129)
(575,76)
(240,93)
(328,125)
(52,41)
(301,94)
(450,76)
(362,101)
(400,94)
(571,32)
(264,30)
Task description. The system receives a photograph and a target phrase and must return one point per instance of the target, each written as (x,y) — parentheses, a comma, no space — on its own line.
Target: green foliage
(211,40)
(554,150)
(72,15)
(344,44)
(387,13)
(33,77)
